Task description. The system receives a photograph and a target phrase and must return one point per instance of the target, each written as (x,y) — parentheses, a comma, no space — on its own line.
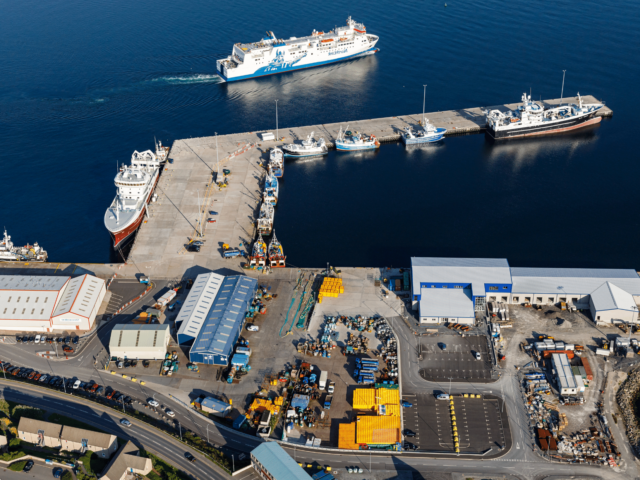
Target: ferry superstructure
(531,118)
(135,184)
(272,55)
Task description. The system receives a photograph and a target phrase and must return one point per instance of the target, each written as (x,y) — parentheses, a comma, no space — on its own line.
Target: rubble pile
(626,398)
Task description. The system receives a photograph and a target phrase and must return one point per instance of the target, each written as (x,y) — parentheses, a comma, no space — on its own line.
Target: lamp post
(424,99)
(179,429)
(276,120)
(208,433)
(233,460)
(5,373)
(562,91)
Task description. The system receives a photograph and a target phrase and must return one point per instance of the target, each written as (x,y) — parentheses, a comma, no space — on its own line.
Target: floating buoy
(445,4)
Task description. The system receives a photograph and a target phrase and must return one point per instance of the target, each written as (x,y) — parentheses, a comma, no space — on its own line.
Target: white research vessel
(531,118)
(29,253)
(135,184)
(273,55)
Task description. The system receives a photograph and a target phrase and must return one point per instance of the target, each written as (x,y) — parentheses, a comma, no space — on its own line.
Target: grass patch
(17,466)
(7,457)
(162,470)
(26,411)
(72,422)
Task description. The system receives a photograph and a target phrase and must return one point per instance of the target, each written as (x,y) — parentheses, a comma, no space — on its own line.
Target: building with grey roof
(126,464)
(439,305)
(80,440)
(567,384)
(271,462)
(39,432)
(196,307)
(139,341)
(609,304)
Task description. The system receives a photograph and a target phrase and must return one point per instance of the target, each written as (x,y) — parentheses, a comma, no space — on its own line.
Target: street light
(234,463)
(562,92)
(276,120)
(179,429)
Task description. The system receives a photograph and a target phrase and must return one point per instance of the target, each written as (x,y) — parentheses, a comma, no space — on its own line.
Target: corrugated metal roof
(563,371)
(611,297)
(387,396)
(215,404)
(226,316)
(578,281)
(278,463)
(378,430)
(32,282)
(80,296)
(465,271)
(446,303)
(133,335)
(198,303)
(29,297)
(364,398)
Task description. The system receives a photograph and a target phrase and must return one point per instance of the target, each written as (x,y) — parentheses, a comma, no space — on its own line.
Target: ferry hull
(273,70)
(557,127)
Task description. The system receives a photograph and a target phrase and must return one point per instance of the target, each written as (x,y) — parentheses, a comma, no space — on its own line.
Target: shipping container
(587,367)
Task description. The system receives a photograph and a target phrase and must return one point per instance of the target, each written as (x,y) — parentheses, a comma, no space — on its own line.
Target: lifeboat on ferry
(326,41)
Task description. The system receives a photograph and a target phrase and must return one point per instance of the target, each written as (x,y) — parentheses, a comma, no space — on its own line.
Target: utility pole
(123,403)
(217,160)
(180,430)
(5,373)
(276,120)
(562,91)
(207,433)
(424,99)
(234,464)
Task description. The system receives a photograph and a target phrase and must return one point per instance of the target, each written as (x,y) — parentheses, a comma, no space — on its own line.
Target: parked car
(478,357)
(119,397)
(127,364)
(37,339)
(99,390)
(120,365)
(53,380)
(28,466)
(44,377)
(407,404)
(134,363)
(146,363)
(170,413)
(57,472)
(67,339)
(31,375)
(409,433)
(410,446)
(76,385)
(153,403)
(253,328)
(67,349)
(32,339)
(18,338)
(443,346)
(442,396)
(127,400)
(36,378)
(113,394)
(76,340)
(59,340)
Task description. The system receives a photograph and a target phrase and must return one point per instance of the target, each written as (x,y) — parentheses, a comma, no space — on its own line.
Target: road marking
(518,445)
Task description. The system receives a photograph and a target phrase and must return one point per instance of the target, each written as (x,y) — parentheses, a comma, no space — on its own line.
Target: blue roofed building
(223,323)
(271,462)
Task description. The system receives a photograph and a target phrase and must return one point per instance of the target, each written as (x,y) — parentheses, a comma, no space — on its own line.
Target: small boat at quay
(258,256)
(271,189)
(29,253)
(307,148)
(350,141)
(276,254)
(276,162)
(427,134)
(265,220)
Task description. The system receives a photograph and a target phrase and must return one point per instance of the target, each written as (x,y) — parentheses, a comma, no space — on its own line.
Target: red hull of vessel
(122,235)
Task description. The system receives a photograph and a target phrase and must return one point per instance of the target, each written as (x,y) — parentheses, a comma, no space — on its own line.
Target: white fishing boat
(265,220)
(532,118)
(29,253)
(307,148)
(277,257)
(428,133)
(271,189)
(276,162)
(349,141)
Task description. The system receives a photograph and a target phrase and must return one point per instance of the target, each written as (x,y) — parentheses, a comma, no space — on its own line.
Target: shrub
(28,412)
(13,443)
(7,457)
(17,466)
(66,475)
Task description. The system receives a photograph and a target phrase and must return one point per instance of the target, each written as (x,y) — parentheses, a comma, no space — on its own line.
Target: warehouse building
(452,290)
(139,341)
(49,303)
(271,462)
(196,307)
(567,384)
(610,304)
(223,323)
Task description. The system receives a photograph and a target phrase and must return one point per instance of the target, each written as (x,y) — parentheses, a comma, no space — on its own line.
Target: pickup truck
(327,402)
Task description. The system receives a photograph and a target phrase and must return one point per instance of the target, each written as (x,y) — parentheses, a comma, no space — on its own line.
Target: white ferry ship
(272,55)
(135,184)
(531,118)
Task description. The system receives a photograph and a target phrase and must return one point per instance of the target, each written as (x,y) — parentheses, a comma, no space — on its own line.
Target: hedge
(17,466)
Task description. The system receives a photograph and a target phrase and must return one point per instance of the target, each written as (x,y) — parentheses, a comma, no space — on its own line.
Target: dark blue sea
(84,83)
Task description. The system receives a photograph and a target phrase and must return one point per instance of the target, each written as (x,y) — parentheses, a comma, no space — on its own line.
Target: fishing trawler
(276,254)
(531,118)
(427,134)
(273,55)
(29,253)
(135,184)
(271,189)
(276,162)
(356,141)
(258,256)
(265,220)
(308,148)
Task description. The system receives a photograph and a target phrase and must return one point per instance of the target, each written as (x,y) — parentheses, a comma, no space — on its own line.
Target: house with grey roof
(126,464)
(80,440)
(39,432)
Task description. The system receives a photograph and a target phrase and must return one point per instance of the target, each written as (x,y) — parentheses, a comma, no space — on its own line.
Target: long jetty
(191,205)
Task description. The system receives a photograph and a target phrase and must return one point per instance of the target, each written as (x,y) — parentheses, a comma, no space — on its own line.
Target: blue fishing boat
(271,189)
(350,141)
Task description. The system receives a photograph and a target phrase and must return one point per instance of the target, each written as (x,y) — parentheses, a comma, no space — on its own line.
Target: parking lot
(457,360)
(479,423)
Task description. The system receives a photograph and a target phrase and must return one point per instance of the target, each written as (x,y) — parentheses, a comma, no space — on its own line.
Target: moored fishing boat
(276,254)
(531,118)
(271,189)
(29,253)
(265,220)
(258,258)
(350,141)
(276,162)
(307,148)
(427,134)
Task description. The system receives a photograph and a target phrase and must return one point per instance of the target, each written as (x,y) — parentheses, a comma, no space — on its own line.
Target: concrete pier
(186,193)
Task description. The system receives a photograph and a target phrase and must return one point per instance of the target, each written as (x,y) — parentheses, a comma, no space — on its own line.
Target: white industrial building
(610,294)
(611,304)
(197,305)
(49,303)
(139,341)
(567,384)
